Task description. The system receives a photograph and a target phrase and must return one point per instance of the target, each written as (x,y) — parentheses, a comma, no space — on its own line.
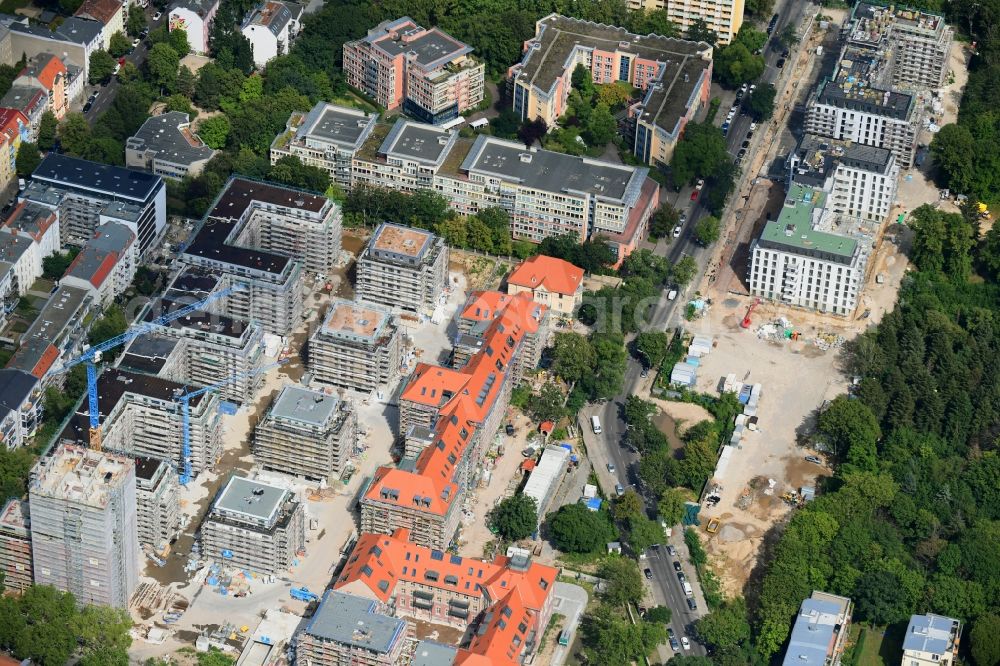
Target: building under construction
(306,433)
(84,537)
(357,347)
(403,268)
(349,629)
(158,502)
(15,546)
(254,526)
(141,416)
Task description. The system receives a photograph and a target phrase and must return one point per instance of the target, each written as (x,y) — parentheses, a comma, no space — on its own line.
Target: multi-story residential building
(306,433)
(860,181)
(166,146)
(931,640)
(157,503)
(31,102)
(916,44)
(87,194)
(723,17)
(19,37)
(27,236)
(21,402)
(675,76)
(555,283)
(84,537)
(195,18)
(15,546)
(285,221)
(810,257)
(47,72)
(14,128)
(81,37)
(357,347)
(268,29)
(106,265)
(327,138)
(347,629)
(509,599)
(426,71)
(109,13)
(455,414)
(852,106)
(254,526)
(545,193)
(820,631)
(141,416)
(476,317)
(57,334)
(404,268)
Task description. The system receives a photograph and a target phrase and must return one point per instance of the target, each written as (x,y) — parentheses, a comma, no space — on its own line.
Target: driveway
(569,601)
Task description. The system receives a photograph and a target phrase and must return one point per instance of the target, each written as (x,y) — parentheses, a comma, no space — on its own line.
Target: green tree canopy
(119,44)
(663,221)
(548,404)
(851,430)
(651,347)
(162,62)
(760,103)
(515,518)
(102,65)
(572,357)
(214,131)
(706,230)
(700,153)
(727,626)
(942,242)
(47,128)
(28,158)
(985,640)
(576,529)
(136,20)
(624,583)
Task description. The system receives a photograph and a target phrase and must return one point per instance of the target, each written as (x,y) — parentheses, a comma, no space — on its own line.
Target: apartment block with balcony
(15,546)
(427,72)
(348,629)
(860,181)
(356,347)
(820,631)
(327,138)
(674,74)
(306,433)
(810,257)
(254,526)
(158,503)
(931,640)
(404,268)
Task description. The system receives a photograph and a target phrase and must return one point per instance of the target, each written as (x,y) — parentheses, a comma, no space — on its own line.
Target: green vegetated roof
(793,228)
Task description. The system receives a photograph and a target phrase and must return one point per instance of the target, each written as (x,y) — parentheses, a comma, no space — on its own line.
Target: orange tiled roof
(48,73)
(556,275)
(9,119)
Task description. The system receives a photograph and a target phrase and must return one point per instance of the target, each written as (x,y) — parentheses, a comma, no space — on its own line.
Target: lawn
(10,6)
(880,646)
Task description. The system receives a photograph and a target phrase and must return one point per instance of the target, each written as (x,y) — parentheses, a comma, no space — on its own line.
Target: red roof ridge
(557,275)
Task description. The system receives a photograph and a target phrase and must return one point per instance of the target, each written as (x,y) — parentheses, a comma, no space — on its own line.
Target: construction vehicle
(302,594)
(185,400)
(746,318)
(92,355)
(713,525)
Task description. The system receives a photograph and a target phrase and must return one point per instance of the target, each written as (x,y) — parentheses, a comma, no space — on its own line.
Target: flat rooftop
(404,241)
(148,353)
(62,306)
(248,499)
(428,48)
(668,100)
(296,403)
(79,475)
(355,621)
(339,125)
(793,230)
(553,172)
(170,137)
(112,181)
(15,517)
(857,85)
(813,633)
(415,141)
(353,320)
(930,633)
(429,653)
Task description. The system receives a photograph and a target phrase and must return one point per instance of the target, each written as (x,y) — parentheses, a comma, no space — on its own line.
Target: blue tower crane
(185,400)
(93,354)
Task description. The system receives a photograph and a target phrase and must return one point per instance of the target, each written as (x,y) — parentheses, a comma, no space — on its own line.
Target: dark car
(786,53)
(648,574)
(677,565)
(746,144)
(750,134)
(780,63)
(681,577)
(691,604)
(87,106)
(675,646)
(509,430)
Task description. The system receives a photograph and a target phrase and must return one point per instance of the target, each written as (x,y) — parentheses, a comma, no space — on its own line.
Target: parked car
(677,565)
(744,88)
(648,574)
(685,642)
(611,467)
(88,106)
(671,551)
(677,231)
(157,15)
(780,63)
(746,144)
(691,604)
(743,153)
(509,429)
(674,645)
(644,373)
(619,489)
(681,577)
(700,184)
(814,460)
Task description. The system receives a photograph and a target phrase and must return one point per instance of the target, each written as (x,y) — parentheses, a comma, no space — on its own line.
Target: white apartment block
(723,17)
(84,537)
(931,640)
(404,268)
(356,348)
(27,236)
(327,138)
(799,259)
(860,181)
(158,503)
(106,266)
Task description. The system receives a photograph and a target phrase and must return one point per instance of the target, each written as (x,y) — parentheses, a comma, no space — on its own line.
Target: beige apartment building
(357,347)
(723,17)
(554,283)
(404,268)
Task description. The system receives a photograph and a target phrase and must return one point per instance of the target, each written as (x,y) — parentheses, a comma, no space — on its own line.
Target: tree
(583,82)
(214,131)
(74,133)
(695,549)
(572,357)
(760,103)
(186,82)
(881,597)
(954,151)
(760,8)
(735,65)
(627,506)
(112,324)
(532,131)
(851,429)
(453,231)
(611,639)
(788,37)
(700,153)
(684,270)
(614,95)
(27,160)
(652,347)
(643,533)
(102,66)
(289,170)
(985,640)
(136,20)
(699,31)
(181,103)
(706,230)
(659,615)
(601,126)
(685,660)
(942,242)
(663,221)
(119,44)
(54,266)
(624,583)
(515,518)
(162,62)
(725,627)
(576,529)
(548,403)
(178,41)
(47,128)
(671,506)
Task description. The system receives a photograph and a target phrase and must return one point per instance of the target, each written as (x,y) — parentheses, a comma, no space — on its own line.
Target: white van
(672,294)
(687,589)
(595,423)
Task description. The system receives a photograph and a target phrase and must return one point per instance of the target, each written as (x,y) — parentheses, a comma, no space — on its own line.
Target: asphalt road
(137,57)
(666,314)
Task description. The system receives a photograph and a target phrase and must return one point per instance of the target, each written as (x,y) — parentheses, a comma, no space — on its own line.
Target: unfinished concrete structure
(84,537)
(141,416)
(159,509)
(347,629)
(15,546)
(357,347)
(254,526)
(306,433)
(403,268)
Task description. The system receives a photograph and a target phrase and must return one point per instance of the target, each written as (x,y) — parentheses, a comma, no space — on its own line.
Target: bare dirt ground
(683,414)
